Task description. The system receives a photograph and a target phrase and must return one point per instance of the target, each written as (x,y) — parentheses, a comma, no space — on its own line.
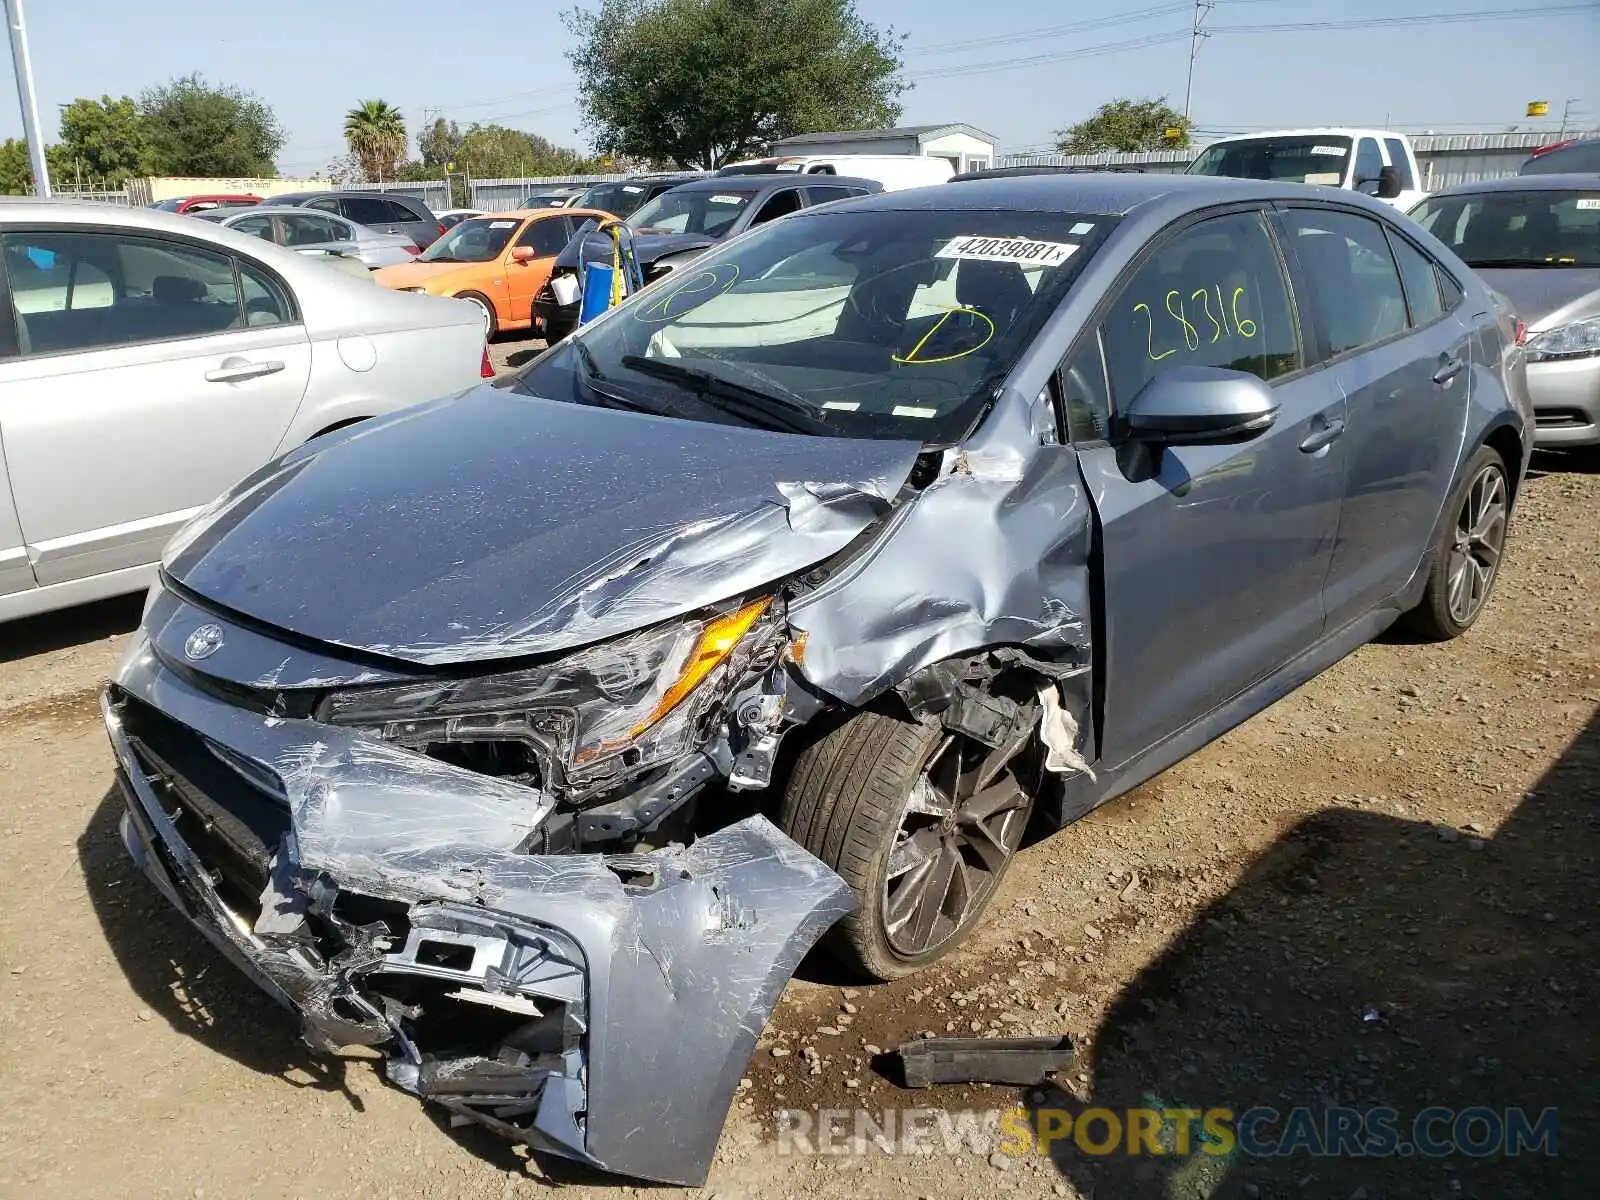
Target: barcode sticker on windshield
(1324,178)
(842,405)
(1012,250)
(1334,151)
(912,410)
(720,199)
(1588,203)
(502,224)
(632,187)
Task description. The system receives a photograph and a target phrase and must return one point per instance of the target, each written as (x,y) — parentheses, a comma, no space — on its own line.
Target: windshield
(852,323)
(169,205)
(1316,159)
(1535,228)
(618,199)
(693,211)
(481,239)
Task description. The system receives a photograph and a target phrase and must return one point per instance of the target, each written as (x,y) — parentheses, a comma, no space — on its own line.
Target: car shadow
(527,354)
(183,979)
(65,627)
(1368,960)
(1585,461)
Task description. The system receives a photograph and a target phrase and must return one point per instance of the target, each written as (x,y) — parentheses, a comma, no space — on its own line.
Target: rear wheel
(1466,558)
(921,823)
(491,324)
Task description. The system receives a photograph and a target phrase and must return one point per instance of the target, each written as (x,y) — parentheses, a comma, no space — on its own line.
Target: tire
(491,323)
(846,801)
(1472,540)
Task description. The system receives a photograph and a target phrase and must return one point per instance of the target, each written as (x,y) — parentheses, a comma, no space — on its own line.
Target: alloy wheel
(1480,535)
(960,828)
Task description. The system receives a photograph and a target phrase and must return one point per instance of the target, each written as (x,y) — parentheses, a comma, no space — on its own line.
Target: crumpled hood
(493,525)
(1545,297)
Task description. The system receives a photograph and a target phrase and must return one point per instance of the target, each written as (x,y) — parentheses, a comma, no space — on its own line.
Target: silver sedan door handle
(235,369)
(1325,434)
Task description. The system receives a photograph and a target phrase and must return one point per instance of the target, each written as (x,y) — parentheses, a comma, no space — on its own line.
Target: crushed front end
(588,979)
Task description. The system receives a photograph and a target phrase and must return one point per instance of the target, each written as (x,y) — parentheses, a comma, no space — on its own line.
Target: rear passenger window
(114,289)
(1212,296)
(826,195)
(399,213)
(1353,278)
(1449,289)
(265,300)
(1422,286)
(366,211)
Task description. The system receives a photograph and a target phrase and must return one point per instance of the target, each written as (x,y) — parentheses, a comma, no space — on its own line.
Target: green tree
(102,140)
(439,143)
(197,129)
(496,152)
(16,172)
(702,82)
(1127,126)
(376,134)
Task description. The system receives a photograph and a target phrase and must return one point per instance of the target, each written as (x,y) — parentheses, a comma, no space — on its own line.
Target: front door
(147,383)
(1403,364)
(546,237)
(1212,557)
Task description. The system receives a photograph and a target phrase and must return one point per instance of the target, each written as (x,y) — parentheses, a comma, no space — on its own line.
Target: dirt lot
(1381,891)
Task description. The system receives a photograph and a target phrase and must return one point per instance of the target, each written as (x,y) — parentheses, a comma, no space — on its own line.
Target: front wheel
(921,823)
(491,324)
(1466,558)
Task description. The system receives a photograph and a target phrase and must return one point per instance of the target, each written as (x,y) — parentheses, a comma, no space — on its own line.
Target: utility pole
(1566,114)
(1196,36)
(30,103)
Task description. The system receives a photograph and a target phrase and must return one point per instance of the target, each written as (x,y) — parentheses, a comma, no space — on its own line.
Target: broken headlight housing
(606,712)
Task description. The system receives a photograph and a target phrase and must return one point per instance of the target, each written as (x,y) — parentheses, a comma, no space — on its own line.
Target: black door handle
(1449,368)
(1324,435)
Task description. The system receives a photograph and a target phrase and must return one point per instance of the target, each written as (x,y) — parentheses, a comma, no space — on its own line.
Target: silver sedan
(148,361)
(316,233)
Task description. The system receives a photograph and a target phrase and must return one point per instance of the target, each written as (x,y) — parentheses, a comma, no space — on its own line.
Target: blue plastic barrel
(596,292)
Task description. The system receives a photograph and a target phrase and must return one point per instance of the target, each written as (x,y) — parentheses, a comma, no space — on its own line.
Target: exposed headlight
(1568,341)
(611,709)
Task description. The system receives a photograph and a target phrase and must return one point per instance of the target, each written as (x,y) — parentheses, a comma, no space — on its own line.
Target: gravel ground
(1380,891)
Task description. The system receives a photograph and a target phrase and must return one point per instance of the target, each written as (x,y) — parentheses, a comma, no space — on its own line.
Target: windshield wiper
(753,404)
(593,375)
(1516,263)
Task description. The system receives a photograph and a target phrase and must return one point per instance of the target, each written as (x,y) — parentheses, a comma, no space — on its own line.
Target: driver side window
(780,205)
(1213,295)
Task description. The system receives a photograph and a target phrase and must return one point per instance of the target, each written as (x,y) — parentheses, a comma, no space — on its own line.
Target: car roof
(1570,181)
(1101,194)
(767,181)
(287,210)
(522,214)
(1311,131)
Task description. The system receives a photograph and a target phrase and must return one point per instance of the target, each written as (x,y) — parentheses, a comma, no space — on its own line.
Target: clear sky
(499,60)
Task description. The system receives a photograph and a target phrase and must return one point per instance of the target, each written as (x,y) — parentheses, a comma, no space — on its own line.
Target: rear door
(157,374)
(16,572)
(1213,557)
(1402,364)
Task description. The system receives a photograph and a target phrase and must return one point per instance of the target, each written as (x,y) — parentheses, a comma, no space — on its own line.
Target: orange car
(498,261)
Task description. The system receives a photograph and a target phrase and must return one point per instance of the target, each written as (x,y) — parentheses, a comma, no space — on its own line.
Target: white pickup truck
(1375,161)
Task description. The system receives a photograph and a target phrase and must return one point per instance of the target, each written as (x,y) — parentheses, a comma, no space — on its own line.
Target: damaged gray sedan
(535,734)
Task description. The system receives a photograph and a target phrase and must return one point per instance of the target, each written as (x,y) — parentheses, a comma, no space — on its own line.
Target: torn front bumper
(598,1007)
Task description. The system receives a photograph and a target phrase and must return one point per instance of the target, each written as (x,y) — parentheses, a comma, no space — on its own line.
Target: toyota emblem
(203,642)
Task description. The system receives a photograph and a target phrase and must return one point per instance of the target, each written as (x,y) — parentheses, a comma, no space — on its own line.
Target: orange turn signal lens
(716,642)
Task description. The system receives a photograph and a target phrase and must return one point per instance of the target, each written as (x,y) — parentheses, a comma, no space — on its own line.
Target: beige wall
(961,149)
(148,191)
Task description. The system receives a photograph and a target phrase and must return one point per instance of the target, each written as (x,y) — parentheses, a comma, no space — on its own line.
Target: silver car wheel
(960,828)
(1480,536)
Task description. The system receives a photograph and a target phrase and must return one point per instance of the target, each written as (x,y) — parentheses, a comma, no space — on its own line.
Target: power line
(1502,14)
(1060,56)
(1049,31)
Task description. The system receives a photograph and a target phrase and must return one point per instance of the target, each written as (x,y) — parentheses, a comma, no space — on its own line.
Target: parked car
(1535,239)
(893,171)
(385,212)
(302,229)
(1563,158)
(169,377)
(681,224)
(200,204)
(452,217)
(1085,471)
(620,197)
(1376,162)
(555,197)
(497,262)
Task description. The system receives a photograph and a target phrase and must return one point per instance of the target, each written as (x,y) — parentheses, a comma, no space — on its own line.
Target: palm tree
(376,133)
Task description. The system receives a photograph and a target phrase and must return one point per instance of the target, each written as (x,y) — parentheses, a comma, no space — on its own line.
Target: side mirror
(1196,406)
(522,254)
(1388,183)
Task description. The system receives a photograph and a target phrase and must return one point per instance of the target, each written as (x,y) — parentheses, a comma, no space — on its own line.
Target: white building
(965,148)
